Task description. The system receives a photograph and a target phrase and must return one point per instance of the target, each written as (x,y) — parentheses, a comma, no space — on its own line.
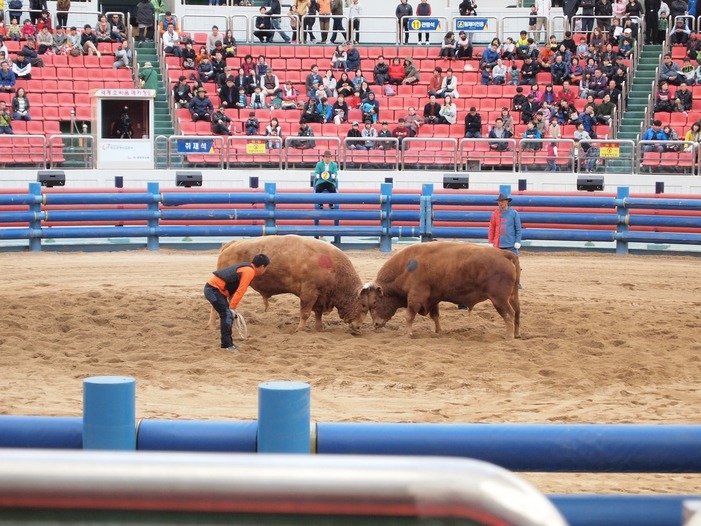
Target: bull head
(370,300)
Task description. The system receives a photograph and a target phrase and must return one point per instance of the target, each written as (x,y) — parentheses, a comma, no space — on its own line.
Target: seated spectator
(498,131)
(672,135)
(381,71)
(14,31)
(355,134)
(219,68)
(413,121)
(20,106)
(597,84)
(435,81)
(531,132)
(679,34)
(290,96)
(339,110)
(588,120)
(396,71)
(449,85)
(201,107)
(88,41)
(604,111)
(221,122)
(682,99)
(242,100)
(228,93)
(171,42)
(559,71)
(473,124)
(694,134)
(432,111)
(385,132)
(344,85)
(463,46)
(73,46)
(28,29)
(401,132)
(249,65)
(688,72)
(205,70)
(310,112)
(358,79)
(7,78)
(270,84)
(103,30)
(529,70)
(369,133)
(21,67)
(448,46)
(370,108)
(5,119)
(449,112)
(663,98)
(190,56)
(314,76)
(654,133)
(123,56)
(212,39)
(274,130)
(258,101)
(252,124)
(352,57)
(45,40)
(304,131)
(508,120)
(364,90)
(182,94)
(324,109)
(529,109)
(489,57)
(519,100)
(499,73)
(229,44)
(339,57)
(411,74)
(60,41)
(118,32)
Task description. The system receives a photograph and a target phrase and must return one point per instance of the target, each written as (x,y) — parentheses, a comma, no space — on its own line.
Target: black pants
(338,28)
(221,305)
(356,29)
(325,188)
(62,19)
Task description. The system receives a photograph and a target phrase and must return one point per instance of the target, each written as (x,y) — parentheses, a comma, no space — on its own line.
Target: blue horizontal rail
(428,215)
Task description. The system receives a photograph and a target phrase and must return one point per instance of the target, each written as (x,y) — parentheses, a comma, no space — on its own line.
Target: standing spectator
(505,226)
(403,12)
(119,32)
(551,157)
(274,14)
(310,19)
(423,9)
(381,71)
(634,12)
(473,124)
(182,94)
(355,12)
(201,107)
(337,14)
(171,42)
(36,7)
(148,76)
(324,15)
(326,177)
(587,14)
(145,14)
(20,106)
(123,56)
(652,9)
(5,119)
(432,111)
(62,8)
(221,122)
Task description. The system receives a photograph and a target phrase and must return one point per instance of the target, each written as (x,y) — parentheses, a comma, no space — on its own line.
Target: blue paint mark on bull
(412,265)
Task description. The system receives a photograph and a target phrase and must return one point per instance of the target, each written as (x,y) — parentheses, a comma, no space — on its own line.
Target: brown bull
(319,274)
(422,275)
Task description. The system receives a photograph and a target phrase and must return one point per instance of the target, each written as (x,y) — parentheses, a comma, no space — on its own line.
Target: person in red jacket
(225,289)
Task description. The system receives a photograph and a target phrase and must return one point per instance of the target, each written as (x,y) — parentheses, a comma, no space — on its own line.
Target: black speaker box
(590,183)
(188,179)
(456,182)
(50,178)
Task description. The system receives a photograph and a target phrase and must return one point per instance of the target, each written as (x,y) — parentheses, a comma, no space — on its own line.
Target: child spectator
(551,157)
(274,130)
(385,132)
(258,99)
(28,29)
(252,125)
(14,32)
(369,133)
(355,134)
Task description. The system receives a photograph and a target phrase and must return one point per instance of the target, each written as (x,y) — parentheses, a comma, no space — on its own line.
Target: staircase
(639,92)
(162,121)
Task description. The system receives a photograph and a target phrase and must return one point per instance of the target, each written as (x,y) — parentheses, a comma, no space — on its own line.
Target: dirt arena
(606,339)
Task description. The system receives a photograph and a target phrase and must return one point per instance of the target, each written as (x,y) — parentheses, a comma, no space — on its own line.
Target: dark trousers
(356,29)
(338,28)
(62,19)
(325,188)
(221,305)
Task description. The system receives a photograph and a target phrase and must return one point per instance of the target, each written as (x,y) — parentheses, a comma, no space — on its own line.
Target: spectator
(73,46)
(229,44)
(597,84)
(463,46)
(171,42)
(369,133)
(62,8)
(694,134)
(88,41)
(355,13)
(654,133)
(258,101)
(14,32)
(670,71)
(605,111)
(529,70)
(123,56)
(489,57)
(264,28)
(499,132)
(358,80)
(324,15)
(214,37)
(145,13)
(344,86)
(205,70)
(312,7)
(168,19)
(5,119)
(403,12)
(432,111)
(551,157)
(401,132)
(448,112)
(554,131)
(559,70)
(473,124)
(36,7)
(396,71)
(20,106)
(312,77)
(449,85)
(679,34)
(682,99)
(499,73)
(326,176)
(663,98)
(310,112)
(201,107)
(588,121)
(370,108)
(274,14)
(289,97)
(221,122)
(672,136)
(189,56)
(411,74)
(519,100)
(252,125)
(103,30)
(434,83)
(45,40)
(59,41)
(352,58)
(507,50)
(385,132)
(413,121)
(381,71)
(529,109)
(339,110)
(302,144)
(423,9)
(448,46)
(118,32)
(355,134)
(7,78)
(270,84)
(22,68)
(182,94)
(508,120)
(693,45)
(337,17)
(274,130)
(531,132)
(28,29)
(339,57)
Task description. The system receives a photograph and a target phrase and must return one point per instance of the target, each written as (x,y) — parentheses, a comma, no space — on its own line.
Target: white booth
(122,126)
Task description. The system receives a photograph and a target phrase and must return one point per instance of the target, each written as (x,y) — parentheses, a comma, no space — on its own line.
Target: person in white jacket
(448,113)
(449,85)
(355,11)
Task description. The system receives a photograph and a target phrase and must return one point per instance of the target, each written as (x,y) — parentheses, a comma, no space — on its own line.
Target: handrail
(265,140)
(394,148)
(407,142)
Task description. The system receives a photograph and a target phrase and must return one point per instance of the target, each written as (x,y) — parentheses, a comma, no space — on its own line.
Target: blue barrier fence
(385,215)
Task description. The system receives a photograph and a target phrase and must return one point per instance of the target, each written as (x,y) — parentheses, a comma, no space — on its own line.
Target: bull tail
(514,299)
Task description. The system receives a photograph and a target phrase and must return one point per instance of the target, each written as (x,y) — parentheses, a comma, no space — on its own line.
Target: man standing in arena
(225,289)
(505,226)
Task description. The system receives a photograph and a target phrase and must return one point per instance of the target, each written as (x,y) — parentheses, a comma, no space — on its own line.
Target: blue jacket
(7,79)
(353,60)
(324,113)
(505,229)
(651,135)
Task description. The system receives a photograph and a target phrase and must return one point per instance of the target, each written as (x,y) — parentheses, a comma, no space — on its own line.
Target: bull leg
(410,315)
(212,323)
(318,326)
(515,304)
(266,303)
(435,316)
(306,305)
(507,313)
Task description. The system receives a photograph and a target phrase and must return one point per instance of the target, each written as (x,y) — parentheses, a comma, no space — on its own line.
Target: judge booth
(123,128)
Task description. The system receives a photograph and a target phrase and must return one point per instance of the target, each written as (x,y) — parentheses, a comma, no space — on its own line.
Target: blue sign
(195,146)
(425,24)
(471,23)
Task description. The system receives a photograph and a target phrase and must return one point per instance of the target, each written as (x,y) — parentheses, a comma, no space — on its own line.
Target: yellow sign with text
(609,149)
(253,148)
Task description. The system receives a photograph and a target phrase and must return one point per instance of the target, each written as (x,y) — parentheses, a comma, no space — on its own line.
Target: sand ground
(606,339)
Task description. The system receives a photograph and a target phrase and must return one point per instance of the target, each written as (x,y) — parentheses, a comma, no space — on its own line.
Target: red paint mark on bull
(325,262)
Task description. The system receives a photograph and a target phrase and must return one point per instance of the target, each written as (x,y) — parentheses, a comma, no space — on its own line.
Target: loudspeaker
(659,187)
(253,182)
(51,178)
(522,185)
(188,179)
(389,180)
(456,183)
(591,184)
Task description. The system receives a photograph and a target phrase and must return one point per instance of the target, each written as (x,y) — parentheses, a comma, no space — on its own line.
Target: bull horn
(369,285)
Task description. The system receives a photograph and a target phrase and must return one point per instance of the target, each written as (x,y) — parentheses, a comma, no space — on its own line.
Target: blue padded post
(284,417)
(109,407)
